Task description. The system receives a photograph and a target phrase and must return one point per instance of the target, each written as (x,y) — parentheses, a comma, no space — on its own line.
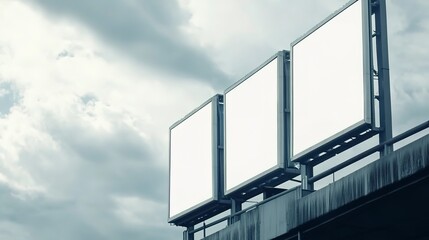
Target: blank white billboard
(252,132)
(192,160)
(331,78)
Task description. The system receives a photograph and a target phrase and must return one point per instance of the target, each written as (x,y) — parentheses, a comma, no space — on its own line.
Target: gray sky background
(88,90)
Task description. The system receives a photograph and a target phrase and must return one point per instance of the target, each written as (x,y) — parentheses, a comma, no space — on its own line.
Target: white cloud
(89,121)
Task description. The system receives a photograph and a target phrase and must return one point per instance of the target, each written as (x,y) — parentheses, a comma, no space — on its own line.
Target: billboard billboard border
(362,130)
(284,169)
(213,205)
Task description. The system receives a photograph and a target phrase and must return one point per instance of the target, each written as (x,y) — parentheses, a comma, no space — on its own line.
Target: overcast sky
(88,90)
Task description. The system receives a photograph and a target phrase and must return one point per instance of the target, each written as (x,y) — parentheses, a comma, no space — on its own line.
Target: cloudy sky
(88,90)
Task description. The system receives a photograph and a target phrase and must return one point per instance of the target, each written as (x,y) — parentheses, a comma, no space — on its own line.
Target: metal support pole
(235,207)
(306,173)
(187,235)
(383,76)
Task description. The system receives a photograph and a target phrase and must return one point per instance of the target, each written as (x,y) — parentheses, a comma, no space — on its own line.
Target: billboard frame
(214,205)
(360,131)
(284,169)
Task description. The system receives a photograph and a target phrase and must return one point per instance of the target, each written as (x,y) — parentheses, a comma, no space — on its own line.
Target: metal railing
(378,148)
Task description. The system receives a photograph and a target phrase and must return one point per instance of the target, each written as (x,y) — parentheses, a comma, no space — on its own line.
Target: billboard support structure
(376,61)
(379,9)
(346,113)
(381,73)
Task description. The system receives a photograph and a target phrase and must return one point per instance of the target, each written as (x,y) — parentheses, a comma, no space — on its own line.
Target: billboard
(332,80)
(255,128)
(195,161)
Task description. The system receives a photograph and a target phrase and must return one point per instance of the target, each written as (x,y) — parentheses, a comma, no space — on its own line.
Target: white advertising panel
(251,127)
(330,79)
(191,161)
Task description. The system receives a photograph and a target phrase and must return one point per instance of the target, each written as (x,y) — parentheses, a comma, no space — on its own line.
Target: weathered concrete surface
(285,215)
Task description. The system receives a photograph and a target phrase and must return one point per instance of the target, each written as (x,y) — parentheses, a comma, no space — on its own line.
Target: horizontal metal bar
(408,133)
(294,180)
(370,151)
(344,146)
(346,163)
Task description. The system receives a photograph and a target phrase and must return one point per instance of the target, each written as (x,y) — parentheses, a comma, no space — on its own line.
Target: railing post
(204,229)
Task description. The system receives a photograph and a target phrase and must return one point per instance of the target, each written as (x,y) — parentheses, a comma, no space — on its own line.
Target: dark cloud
(116,159)
(148,30)
(99,145)
(64,54)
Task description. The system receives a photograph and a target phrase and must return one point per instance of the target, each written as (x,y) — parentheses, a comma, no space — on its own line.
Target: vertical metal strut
(383,75)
